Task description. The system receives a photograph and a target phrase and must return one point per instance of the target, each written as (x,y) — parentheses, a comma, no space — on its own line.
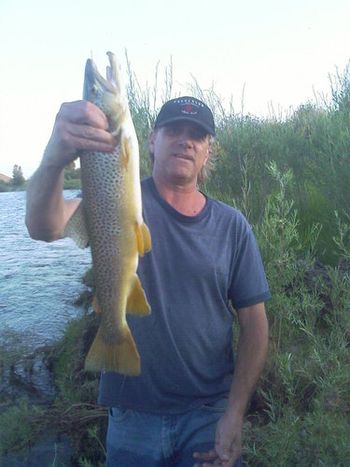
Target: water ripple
(38,281)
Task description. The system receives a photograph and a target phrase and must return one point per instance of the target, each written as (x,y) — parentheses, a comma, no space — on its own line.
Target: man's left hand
(228,444)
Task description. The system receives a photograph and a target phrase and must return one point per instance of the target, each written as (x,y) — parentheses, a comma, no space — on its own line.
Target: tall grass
(302,412)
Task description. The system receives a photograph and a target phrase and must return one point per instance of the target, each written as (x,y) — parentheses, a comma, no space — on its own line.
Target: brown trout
(110,220)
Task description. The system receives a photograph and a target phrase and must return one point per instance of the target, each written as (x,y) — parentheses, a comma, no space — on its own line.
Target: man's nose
(185,137)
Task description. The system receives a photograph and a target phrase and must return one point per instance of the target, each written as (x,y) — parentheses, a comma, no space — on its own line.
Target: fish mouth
(93,77)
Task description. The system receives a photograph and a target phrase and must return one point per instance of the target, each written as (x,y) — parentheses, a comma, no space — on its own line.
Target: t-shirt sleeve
(248,285)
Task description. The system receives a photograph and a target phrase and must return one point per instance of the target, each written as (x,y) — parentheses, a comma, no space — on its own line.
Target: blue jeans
(140,439)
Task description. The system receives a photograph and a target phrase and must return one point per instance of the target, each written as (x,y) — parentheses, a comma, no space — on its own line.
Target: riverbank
(69,184)
(8,188)
(48,405)
(72,181)
(48,408)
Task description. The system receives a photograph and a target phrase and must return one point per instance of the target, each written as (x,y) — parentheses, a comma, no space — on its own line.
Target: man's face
(180,150)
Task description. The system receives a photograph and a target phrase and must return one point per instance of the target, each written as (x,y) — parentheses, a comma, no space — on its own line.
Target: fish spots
(112,204)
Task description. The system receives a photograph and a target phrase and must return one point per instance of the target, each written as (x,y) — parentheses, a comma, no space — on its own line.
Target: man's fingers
(67,142)
(205,456)
(206,464)
(83,126)
(210,458)
(83,144)
(73,137)
(228,455)
(91,133)
(83,112)
(205,459)
(79,125)
(216,462)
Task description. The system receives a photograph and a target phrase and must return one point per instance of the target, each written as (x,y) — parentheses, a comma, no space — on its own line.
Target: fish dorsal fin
(76,228)
(143,238)
(137,303)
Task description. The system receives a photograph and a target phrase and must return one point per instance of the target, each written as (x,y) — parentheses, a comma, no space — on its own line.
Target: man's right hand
(79,125)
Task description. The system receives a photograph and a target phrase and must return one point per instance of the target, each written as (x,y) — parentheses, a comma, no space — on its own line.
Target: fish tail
(121,357)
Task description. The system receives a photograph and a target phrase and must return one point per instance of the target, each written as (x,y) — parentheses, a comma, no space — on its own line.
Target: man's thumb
(223,450)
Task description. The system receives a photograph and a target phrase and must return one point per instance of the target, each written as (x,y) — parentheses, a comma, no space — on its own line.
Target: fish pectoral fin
(76,228)
(125,152)
(121,356)
(137,303)
(143,238)
(96,306)
(147,242)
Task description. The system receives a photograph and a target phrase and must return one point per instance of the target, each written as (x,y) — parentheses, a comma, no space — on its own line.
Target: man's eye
(173,131)
(198,134)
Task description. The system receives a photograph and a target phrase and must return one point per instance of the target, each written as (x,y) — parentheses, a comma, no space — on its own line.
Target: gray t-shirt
(197,268)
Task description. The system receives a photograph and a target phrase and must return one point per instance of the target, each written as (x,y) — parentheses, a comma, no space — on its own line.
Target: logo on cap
(189,109)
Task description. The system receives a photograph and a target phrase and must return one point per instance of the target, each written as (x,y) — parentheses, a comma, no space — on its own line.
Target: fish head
(105,93)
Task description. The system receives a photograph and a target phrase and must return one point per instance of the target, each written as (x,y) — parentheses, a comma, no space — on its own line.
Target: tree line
(17,182)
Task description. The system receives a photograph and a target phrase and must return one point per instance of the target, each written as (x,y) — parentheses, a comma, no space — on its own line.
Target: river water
(38,281)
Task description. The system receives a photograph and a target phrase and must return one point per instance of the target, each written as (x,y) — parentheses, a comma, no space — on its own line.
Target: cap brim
(187,119)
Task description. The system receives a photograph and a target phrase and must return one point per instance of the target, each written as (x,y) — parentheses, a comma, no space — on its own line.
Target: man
(186,407)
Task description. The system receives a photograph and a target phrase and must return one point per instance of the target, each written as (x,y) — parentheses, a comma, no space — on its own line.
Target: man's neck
(185,198)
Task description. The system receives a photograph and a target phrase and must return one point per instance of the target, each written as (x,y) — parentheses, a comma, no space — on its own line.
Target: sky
(266,57)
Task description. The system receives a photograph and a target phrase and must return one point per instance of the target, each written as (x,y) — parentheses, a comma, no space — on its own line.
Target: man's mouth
(186,157)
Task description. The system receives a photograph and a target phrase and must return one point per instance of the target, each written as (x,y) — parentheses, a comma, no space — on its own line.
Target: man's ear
(151,140)
(209,152)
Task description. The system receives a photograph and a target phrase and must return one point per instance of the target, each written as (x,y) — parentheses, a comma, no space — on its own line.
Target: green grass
(302,408)
(19,425)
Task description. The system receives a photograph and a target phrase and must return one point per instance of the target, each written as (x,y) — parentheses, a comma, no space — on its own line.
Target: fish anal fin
(76,228)
(121,357)
(137,303)
(143,238)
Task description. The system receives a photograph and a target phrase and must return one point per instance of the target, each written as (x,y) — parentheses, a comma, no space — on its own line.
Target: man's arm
(79,126)
(251,357)
(47,211)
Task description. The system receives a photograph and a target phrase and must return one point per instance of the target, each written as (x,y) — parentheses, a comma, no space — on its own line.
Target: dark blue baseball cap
(189,109)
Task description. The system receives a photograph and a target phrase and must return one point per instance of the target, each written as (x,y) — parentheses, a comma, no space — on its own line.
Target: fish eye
(94,89)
